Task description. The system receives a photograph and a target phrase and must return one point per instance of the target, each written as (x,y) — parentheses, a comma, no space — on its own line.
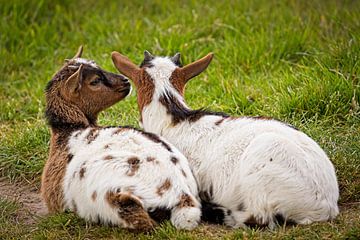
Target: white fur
(265,165)
(186,218)
(109,175)
(86,61)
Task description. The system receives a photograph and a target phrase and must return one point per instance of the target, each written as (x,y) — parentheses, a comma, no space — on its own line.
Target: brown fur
(134,165)
(82,172)
(163,187)
(145,89)
(183,173)
(69,108)
(185,201)
(176,80)
(70,156)
(94,196)
(130,210)
(180,76)
(174,160)
(92,135)
(118,130)
(217,123)
(53,174)
(108,157)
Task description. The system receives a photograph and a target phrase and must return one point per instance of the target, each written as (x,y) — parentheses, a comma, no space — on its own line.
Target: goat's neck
(158,116)
(64,118)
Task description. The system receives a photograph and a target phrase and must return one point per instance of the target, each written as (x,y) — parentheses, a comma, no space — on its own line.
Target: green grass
(298,61)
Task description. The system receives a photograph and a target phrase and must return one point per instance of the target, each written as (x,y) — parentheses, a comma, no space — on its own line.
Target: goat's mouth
(124,91)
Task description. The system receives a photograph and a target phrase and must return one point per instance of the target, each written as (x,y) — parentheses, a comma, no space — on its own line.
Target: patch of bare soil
(27,196)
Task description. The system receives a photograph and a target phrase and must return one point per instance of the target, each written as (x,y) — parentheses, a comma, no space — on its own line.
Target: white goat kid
(114,175)
(254,169)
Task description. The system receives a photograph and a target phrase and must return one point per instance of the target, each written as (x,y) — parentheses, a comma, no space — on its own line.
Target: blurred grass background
(294,60)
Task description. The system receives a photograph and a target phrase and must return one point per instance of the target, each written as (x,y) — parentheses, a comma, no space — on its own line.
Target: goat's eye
(95,82)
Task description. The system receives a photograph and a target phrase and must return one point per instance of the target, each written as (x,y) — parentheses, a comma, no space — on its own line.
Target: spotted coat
(119,161)
(246,167)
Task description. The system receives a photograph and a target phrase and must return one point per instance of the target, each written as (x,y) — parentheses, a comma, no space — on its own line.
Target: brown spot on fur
(232,118)
(69,157)
(183,172)
(108,157)
(150,159)
(107,146)
(92,135)
(174,160)
(130,210)
(218,122)
(185,201)
(82,172)
(241,207)
(118,130)
(94,195)
(163,187)
(134,164)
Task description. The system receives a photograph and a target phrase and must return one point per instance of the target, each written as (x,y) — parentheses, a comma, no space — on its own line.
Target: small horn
(176,58)
(148,56)
(79,52)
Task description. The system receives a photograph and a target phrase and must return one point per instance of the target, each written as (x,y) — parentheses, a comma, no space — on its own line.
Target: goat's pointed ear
(125,66)
(193,69)
(176,59)
(73,83)
(79,52)
(148,56)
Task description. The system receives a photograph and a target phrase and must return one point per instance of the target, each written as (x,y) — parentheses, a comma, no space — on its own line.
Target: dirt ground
(28,196)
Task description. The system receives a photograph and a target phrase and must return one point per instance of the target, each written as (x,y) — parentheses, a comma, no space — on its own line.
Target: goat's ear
(79,52)
(125,66)
(176,59)
(73,83)
(193,69)
(148,56)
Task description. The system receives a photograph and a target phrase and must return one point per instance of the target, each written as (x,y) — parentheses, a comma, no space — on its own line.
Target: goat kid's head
(91,88)
(159,75)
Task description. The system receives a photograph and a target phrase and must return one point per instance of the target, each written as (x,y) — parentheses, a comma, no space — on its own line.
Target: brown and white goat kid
(113,175)
(260,169)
